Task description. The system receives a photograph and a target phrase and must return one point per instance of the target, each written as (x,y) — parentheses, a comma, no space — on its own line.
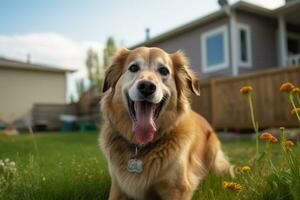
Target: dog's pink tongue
(144,126)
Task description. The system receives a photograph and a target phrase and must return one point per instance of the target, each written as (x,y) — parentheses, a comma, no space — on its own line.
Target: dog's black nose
(146,88)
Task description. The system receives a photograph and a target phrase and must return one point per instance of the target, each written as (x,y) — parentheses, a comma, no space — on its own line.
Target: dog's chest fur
(165,159)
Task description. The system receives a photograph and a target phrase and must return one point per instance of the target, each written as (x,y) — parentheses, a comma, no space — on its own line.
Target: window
(244,45)
(293,43)
(214,47)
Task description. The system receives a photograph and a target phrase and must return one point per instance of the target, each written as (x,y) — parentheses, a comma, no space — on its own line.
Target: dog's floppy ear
(114,72)
(184,76)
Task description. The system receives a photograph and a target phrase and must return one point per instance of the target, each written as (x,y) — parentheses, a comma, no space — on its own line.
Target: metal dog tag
(134,165)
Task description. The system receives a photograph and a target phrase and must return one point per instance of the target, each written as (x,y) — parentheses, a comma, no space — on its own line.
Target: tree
(72,98)
(108,52)
(80,87)
(93,67)
(95,71)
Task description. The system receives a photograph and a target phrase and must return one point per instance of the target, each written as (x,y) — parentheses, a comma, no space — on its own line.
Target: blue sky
(97,19)
(58,32)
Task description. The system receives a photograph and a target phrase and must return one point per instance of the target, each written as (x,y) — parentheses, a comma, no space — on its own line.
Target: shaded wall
(20,89)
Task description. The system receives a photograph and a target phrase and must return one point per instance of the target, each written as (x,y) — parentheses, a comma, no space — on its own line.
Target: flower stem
(34,141)
(283,138)
(255,125)
(283,149)
(298,98)
(268,154)
(291,99)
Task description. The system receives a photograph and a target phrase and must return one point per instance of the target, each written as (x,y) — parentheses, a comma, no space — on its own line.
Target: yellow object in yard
(9,131)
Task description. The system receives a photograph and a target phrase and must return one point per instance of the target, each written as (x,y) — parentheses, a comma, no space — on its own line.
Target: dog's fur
(185,147)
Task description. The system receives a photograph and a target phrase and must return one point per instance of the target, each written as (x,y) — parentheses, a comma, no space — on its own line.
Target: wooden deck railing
(222,104)
(294,60)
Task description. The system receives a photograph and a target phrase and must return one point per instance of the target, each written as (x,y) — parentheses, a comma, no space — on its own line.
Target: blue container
(68,123)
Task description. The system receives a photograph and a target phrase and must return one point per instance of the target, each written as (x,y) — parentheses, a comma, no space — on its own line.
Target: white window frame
(205,68)
(246,28)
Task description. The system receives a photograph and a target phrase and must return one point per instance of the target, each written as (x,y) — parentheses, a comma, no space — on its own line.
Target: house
(237,39)
(23,84)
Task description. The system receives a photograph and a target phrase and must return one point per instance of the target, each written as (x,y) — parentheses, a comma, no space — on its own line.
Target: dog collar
(134,164)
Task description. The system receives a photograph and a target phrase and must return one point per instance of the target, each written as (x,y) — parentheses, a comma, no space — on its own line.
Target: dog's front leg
(116,192)
(178,192)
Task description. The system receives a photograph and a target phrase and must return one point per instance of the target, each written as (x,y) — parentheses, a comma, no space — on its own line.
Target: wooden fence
(47,115)
(222,104)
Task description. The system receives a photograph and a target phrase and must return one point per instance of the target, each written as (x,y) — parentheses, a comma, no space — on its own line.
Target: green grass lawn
(71,166)
(56,166)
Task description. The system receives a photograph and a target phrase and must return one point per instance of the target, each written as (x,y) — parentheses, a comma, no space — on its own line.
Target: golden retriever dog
(156,146)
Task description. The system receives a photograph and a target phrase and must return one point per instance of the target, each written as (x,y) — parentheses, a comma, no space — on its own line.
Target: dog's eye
(163,71)
(134,68)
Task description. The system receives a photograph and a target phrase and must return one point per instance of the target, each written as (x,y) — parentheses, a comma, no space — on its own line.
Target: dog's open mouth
(144,114)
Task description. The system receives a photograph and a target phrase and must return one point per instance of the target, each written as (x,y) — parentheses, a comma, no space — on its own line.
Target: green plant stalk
(298,98)
(267,150)
(268,154)
(291,99)
(291,159)
(285,156)
(34,141)
(254,123)
(283,139)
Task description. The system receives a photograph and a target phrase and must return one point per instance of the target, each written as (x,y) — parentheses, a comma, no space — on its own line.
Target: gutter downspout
(233,41)
(282,41)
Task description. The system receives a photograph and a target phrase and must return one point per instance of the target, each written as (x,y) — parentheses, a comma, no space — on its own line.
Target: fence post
(213,102)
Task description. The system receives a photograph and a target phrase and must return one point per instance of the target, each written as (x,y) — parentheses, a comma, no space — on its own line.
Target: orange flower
(269,137)
(232,185)
(296,90)
(273,139)
(246,89)
(295,110)
(287,87)
(237,170)
(266,136)
(289,143)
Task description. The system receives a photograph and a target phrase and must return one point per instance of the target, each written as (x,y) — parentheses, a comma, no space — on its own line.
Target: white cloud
(50,49)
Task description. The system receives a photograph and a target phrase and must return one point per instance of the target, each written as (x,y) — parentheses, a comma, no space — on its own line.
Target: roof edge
(182,28)
(201,20)
(10,63)
(287,6)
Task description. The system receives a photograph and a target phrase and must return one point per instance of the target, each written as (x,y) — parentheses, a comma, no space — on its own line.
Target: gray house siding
(190,43)
(263,41)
